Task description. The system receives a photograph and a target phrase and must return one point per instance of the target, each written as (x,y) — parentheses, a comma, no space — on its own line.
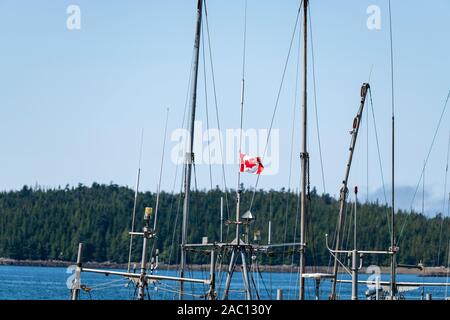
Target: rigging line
(297,216)
(367,142)
(158,192)
(278,97)
(183,123)
(206,107)
(175,224)
(367,157)
(448,266)
(292,138)
(255,286)
(426,161)
(445,200)
(269,292)
(347,227)
(310,234)
(346,235)
(242,93)
(217,111)
(315,101)
(393,243)
(392,100)
(161,170)
(133,222)
(392,62)
(379,160)
(174,199)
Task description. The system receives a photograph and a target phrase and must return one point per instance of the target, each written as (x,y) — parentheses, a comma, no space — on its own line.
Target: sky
(73,103)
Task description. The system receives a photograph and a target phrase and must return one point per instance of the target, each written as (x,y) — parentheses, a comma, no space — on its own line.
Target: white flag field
(251,164)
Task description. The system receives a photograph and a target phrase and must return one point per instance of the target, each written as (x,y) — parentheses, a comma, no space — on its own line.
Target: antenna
(393,247)
(136,193)
(161,170)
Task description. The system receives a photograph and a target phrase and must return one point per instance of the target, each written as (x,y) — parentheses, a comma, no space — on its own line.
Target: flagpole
(236,245)
(238,190)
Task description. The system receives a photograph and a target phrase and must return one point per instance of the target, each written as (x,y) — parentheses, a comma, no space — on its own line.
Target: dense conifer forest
(47,224)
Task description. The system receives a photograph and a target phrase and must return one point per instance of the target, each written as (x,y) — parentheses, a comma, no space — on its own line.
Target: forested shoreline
(47,224)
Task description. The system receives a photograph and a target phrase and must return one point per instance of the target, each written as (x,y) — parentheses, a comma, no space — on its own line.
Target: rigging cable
(426,161)
(367,144)
(213,78)
(315,101)
(135,201)
(269,292)
(270,235)
(346,235)
(183,125)
(393,244)
(207,111)
(445,198)
(175,229)
(297,218)
(159,182)
(288,194)
(312,236)
(161,170)
(278,97)
(448,266)
(379,160)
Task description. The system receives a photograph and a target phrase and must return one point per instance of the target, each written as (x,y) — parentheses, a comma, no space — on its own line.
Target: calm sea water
(46,283)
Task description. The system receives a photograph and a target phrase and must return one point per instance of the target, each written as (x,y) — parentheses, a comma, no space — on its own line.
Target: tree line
(48,224)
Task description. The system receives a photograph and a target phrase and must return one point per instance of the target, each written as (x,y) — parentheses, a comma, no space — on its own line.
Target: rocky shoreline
(429,271)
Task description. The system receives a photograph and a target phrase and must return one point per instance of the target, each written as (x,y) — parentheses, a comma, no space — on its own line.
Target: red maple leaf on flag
(251,164)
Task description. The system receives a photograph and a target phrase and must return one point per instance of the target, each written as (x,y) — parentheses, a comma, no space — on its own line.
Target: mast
(344,189)
(189,158)
(393,248)
(304,154)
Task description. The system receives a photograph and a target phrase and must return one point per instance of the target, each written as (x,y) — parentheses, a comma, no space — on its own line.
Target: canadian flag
(251,164)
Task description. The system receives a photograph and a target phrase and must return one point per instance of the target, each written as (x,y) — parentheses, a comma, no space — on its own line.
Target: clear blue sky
(73,103)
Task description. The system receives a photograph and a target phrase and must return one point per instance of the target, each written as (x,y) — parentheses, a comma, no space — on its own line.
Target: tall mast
(189,158)
(304,154)
(393,244)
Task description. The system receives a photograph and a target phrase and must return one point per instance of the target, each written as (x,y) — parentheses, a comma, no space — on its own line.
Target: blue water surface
(50,283)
